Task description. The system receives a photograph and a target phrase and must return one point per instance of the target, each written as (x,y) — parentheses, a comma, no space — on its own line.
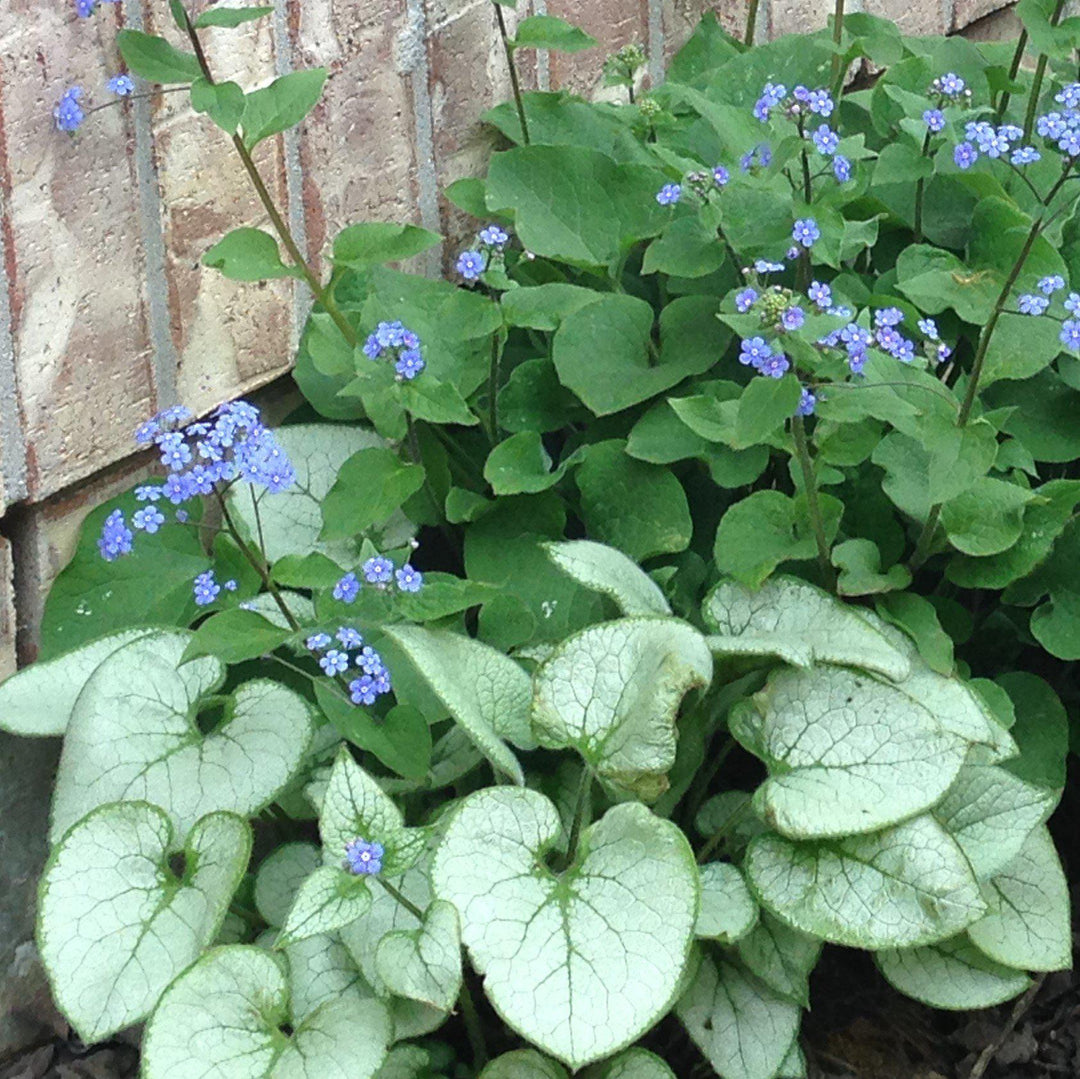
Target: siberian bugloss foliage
(651,601)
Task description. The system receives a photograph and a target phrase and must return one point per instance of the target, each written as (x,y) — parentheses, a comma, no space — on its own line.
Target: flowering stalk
(920,187)
(1014,69)
(280,227)
(514,84)
(837,62)
(813,503)
(1036,82)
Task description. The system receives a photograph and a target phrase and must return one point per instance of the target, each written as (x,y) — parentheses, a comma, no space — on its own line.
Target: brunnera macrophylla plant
(650,603)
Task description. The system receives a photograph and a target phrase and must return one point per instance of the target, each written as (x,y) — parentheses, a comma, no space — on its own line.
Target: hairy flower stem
(920,187)
(813,503)
(582,807)
(512,65)
(497,343)
(407,903)
(838,72)
(321,294)
(751,22)
(1037,79)
(1014,69)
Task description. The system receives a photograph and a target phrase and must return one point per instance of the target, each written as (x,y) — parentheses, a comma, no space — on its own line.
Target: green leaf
(38,700)
(281,105)
(781,957)
(291,521)
(1041,730)
(859,563)
(234,636)
(918,618)
(1027,923)
(764,406)
(223,1016)
(608,571)
(901,163)
(640,509)
(800,624)
(584,963)
(765,529)
(523,1063)
(990,812)
(549,32)
(686,248)
(320,970)
(742,1027)
(229,17)
(521,465)
(223,102)
(133,735)
(154,59)
(485,691)
(1021,346)
(370,486)
(248,254)
(371,242)
(728,910)
(428,398)
(115,925)
(328,899)
(613,691)
(633,1064)
(935,280)
(988,517)
(846,753)
(279,878)
(905,886)
(953,974)
(424,964)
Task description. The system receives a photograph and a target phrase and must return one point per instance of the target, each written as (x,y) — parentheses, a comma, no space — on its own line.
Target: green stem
(751,22)
(808,188)
(473,1030)
(1014,69)
(920,187)
(280,227)
(802,452)
(582,805)
(515,85)
(1036,82)
(722,833)
(493,387)
(407,903)
(837,81)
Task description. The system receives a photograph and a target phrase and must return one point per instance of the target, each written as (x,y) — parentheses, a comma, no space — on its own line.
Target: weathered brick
(1000,25)
(82,354)
(613,23)
(966,12)
(7,610)
(796,16)
(916,19)
(681,18)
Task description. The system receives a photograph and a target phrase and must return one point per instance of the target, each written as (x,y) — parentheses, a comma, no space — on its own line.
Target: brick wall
(105,315)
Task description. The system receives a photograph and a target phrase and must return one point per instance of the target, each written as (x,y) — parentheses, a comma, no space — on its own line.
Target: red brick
(82,353)
(681,18)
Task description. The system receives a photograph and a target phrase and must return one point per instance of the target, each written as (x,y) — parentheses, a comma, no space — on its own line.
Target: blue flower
(793,318)
(334,662)
(943,352)
(347,589)
(148,492)
(378,570)
(820,102)
(363,859)
(929,327)
(888,316)
(67,113)
(122,85)
(149,519)
(471,264)
(349,637)
(1070,333)
(745,299)
(409,579)
(826,140)
(409,364)
(759,155)
(764,266)
(754,351)
(965,155)
(806,232)
(771,96)
(231,585)
(856,360)
(1051,283)
(206,589)
(116,537)
(774,366)
(934,120)
(950,84)
(841,168)
(1025,155)
(317,641)
(807,403)
(372,349)
(494,236)
(1072,303)
(1031,304)
(720,175)
(362,690)
(175,452)
(369,661)
(669,194)
(820,293)
(1069,96)
(85,8)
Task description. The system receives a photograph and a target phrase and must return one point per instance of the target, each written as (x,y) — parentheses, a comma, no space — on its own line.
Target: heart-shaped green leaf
(580,963)
(279,878)
(899,888)
(321,969)
(612,692)
(523,1064)
(424,964)
(781,957)
(329,899)
(728,910)
(115,925)
(846,753)
(133,735)
(633,1064)
(224,1016)
(607,570)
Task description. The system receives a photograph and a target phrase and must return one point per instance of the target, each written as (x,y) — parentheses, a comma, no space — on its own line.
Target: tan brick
(357,149)
(1000,25)
(966,12)
(7,611)
(613,23)
(797,16)
(82,356)
(915,19)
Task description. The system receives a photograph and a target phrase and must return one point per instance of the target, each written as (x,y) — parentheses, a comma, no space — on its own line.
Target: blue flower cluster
(1032,303)
(363,859)
(207,589)
(391,340)
(759,157)
(981,137)
(757,353)
(380,572)
(856,340)
(68,112)
(800,106)
(703,182)
(372,683)
(490,243)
